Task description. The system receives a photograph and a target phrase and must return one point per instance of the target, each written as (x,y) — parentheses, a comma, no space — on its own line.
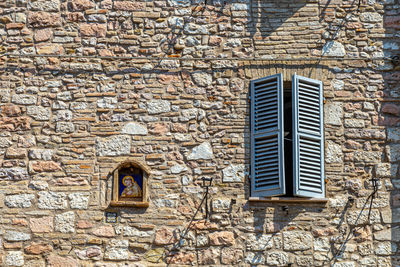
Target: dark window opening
(288,137)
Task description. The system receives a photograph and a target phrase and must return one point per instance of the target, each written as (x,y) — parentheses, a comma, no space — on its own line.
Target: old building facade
(86,85)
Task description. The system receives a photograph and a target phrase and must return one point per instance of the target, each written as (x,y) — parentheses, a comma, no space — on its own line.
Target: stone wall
(87,84)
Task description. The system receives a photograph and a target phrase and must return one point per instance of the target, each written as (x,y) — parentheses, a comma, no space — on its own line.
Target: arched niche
(130,185)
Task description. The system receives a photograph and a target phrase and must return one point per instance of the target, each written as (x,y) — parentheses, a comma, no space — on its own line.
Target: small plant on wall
(130,185)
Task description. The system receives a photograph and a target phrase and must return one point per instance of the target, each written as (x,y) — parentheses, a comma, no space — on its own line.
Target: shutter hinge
(324,100)
(249,99)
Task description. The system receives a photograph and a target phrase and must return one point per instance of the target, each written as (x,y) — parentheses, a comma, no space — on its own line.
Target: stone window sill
(290,200)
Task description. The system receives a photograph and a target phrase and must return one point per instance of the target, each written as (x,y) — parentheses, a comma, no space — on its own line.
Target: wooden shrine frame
(115,199)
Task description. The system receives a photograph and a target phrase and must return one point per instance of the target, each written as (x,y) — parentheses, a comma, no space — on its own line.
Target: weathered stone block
(113,146)
(43,166)
(41,225)
(13,174)
(117,250)
(44,5)
(221,204)
(297,240)
(164,236)
(134,128)
(16,236)
(104,231)
(333,49)
(277,258)
(202,78)
(38,248)
(38,113)
(259,242)
(15,123)
(24,99)
(224,238)
(254,258)
(133,232)
(65,127)
(19,201)
(15,153)
(44,19)
(41,154)
(177,168)
(79,200)
(58,261)
(158,106)
(128,5)
(233,173)
(333,153)
(11,110)
(42,35)
(107,102)
(367,156)
(52,200)
(95,30)
(370,17)
(208,256)
(65,222)
(81,5)
(14,258)
(203,151)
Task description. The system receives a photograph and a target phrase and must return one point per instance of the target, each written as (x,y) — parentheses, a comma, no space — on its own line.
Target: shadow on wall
(390,118)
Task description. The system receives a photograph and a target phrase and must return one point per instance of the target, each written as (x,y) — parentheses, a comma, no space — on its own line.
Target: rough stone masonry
(88,84)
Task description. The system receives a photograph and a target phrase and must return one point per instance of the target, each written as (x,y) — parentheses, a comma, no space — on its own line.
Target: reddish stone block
(11,110)
(81,5)
(84,224)
(43,166)
(129,5)
(44,19)
(57,261)
(179,127)
(104,231)
(21,222)
(38,248)
(15,124)
(164,236)
(14,26)
(41,225)
(159,129)
(204,225)
(182,258)
(75,17)
(96,29)
(224,238)
(43,35)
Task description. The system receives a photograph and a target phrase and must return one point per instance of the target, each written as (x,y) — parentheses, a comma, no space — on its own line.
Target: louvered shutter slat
(308,152)
(267,175)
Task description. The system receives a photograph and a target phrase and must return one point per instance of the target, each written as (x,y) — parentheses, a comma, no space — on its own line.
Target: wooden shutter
(267,161)
(308,137)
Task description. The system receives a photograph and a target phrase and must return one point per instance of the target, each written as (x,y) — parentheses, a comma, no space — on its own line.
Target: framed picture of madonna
(130,185)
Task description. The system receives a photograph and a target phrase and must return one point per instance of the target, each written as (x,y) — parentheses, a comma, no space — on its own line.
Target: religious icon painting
(130,185)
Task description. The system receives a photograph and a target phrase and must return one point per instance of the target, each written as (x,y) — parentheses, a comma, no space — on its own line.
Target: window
(287,142)
(130,185)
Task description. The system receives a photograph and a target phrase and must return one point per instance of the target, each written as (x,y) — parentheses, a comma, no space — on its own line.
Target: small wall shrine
(130,185)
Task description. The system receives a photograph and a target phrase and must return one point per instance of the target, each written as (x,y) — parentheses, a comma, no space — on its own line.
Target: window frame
(298,188)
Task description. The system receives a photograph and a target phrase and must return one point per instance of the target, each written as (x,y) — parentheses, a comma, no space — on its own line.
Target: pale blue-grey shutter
(267,164)
(308,137)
